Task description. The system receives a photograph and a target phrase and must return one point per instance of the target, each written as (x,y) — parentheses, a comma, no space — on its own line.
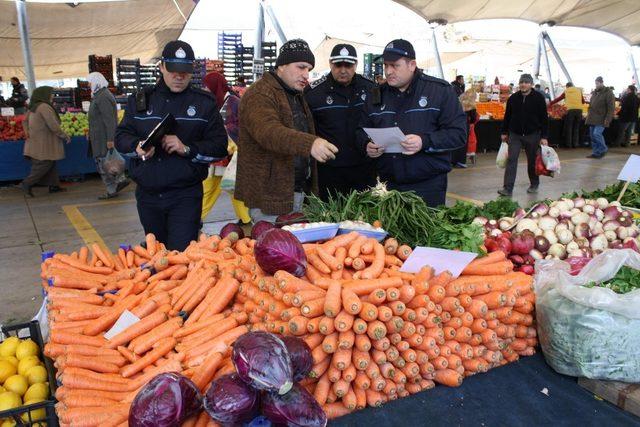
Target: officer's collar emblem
(180,53)
(344,51)
(329,100)
(191,111)
(423,101)
(363,96)
(149,111)
(383,107)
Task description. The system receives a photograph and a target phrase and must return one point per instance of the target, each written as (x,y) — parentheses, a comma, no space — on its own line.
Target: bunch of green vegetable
(626,280)
(631,197)
(404,215)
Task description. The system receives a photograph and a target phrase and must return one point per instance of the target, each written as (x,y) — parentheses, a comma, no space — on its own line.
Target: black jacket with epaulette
(428,108)
(199,126)
(336,112)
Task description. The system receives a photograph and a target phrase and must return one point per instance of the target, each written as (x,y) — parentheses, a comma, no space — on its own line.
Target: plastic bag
(113,163)
(229,177)
(589,332)
(541,170)
(550,158)
(503,156)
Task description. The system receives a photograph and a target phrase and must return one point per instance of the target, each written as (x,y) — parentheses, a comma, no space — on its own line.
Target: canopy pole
(23,26)
(547,38)
(436,52)
(548,66)
(633,67)
(276,24)
(536,62)
(257,48)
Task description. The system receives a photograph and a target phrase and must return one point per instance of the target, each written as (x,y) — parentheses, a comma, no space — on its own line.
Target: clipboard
(165,127)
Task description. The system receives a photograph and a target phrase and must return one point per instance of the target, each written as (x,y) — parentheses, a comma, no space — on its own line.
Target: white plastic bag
(503,156)
(589,332)
(550,159)
(113,163)
(229,177)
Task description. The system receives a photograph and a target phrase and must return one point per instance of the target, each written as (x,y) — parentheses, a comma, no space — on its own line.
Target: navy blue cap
(178,57)
(397,49)
(343,53)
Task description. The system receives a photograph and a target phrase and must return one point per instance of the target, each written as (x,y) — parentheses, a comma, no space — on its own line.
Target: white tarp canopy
(64,35)
(619,17)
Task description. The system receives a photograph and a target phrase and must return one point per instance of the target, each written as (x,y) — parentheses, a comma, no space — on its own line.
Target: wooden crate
(624,395)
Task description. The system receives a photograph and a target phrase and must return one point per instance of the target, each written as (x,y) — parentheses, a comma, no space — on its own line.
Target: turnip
(588,209)
(547,223)
(582,230)
(558,250)
(480,220)
(580,218)
(551,237)
(505,223)
(572,246)
(599,243)
(579,202)
(554,212)
(622,233)
(565,236)
(526,224)
(602,203)
(536,254)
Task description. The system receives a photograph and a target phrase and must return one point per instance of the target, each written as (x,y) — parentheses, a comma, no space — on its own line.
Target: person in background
(380,80)
(525,126)
(44,144)
(511,86)
(628,116)
(336,101)
(547,95)
(228,103)
(277,138)
(428,112)
(468,101)
(19,96)
(240,82)
(458,85)
(573,100)
(103,120)
(600,115)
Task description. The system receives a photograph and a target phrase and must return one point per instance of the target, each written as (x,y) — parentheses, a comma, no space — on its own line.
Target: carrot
(448,377)
(493,299)
(366,286)
(359,326)
(316,261)
(377,296)
(403,252)
(150,240)
(335,410)
(205,372)
(341,359)
(351,302)
(343,321)
(313,308)
(303,296)
(163,347)
(333,300)
(495,268)
(143,326)
(356,246)
(340,241)
(376,330)
(328,260)
(298,325)
(322,390)
(362,342)
(369,312)
(376,267)
(326,325)
(62,337)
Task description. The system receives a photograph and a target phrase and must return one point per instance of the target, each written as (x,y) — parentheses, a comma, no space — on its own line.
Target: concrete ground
(63,222)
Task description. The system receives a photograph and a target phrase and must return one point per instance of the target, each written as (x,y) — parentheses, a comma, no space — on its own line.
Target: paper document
(126,319)
(439,259)
(389,138)
(631,170)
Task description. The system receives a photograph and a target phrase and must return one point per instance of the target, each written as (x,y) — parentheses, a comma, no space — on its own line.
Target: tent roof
(616,17)
(62,36)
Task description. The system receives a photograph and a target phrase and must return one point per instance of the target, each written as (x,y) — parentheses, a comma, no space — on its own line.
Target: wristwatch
(187,150)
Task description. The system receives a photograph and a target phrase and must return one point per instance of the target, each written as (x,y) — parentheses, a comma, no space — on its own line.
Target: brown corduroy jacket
(267,147)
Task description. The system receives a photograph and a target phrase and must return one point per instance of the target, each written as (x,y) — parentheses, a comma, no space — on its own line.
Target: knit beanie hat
(296,50)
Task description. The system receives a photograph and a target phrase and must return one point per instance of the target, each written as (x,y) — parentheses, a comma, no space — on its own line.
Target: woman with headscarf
(43,146)
(468,100)
(103,120)
(228,104)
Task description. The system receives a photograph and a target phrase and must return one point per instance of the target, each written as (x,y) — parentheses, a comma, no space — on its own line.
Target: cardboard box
(624,395)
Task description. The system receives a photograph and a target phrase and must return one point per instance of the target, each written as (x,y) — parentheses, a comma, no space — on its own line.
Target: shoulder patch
(316,83)
(434,80)
(202,92)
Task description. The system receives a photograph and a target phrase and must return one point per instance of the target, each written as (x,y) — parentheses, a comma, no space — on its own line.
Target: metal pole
(257,48)
(536,61)
(436,53)
(547,38)
(633,67)
(276,25)
(548,65)
(23,26)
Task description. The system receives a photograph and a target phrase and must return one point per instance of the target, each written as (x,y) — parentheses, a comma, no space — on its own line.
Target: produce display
(557,111)
(626,280)
(374,334)
(11,128)
(630,198)
(74,124)
(495,110)
(573,229)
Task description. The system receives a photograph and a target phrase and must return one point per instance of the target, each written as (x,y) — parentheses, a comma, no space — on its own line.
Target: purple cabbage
(233,231)
(166,401)
(262,361)
(259,228)
(278,249)
(301,359)
(296,408)
(231,401)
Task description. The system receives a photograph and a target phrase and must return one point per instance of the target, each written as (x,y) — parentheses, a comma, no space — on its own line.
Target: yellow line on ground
(83,226)
(112,202)
(465,199)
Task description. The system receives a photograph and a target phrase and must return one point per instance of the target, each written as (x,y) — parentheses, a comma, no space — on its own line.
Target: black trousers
(433,190)
(345,179)
(572,128)
(173,217)
(531,145)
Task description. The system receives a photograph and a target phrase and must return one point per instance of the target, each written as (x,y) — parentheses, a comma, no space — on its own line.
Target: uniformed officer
(169,178)
(336,102)
(428,112)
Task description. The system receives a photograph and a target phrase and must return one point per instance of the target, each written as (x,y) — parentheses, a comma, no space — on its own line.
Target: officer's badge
(363,96)
(390,46)
(180,53)
(423,101)
(191,111)
(329,100)
(344,51)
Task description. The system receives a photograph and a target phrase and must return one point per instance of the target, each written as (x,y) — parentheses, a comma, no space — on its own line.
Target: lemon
(37,374)
(36,414)
(27,348)
(27,363)
(2,389)
(6,370)
(17,384)
(38,391)
(11,359)
(9,346)
(9,400)
(7,423)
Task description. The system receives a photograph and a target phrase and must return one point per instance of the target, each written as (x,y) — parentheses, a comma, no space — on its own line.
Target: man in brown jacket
(277,138)
(601,108)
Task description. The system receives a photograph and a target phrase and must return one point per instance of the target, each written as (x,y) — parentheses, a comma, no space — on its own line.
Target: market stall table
(512,395)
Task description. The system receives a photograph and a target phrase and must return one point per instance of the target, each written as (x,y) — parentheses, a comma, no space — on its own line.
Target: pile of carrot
(375,333)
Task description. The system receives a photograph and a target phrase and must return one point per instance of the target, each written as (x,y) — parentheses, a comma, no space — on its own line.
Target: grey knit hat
(296,50)
(526,78)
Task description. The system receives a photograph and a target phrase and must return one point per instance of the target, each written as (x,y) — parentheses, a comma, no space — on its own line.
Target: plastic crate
(32,330)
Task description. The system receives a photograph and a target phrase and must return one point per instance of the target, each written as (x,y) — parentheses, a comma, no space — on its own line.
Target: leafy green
(460,213)
(626,280)
(631,197)
(499,208)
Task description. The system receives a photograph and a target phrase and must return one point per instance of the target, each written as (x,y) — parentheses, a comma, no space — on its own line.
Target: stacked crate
(102,65)
(128,71)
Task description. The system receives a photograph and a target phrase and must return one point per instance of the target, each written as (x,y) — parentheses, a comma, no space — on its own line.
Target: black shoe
(460,166)
(595,156)
(505,192)
(122,185)
(106,196)
(532,190)
(56,189)
(27,190)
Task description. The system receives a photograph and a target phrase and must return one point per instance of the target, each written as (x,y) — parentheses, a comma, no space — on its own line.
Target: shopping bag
(503,156)
(229,177)
(541,169)
(550,158)
(585,330)
(113,162)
